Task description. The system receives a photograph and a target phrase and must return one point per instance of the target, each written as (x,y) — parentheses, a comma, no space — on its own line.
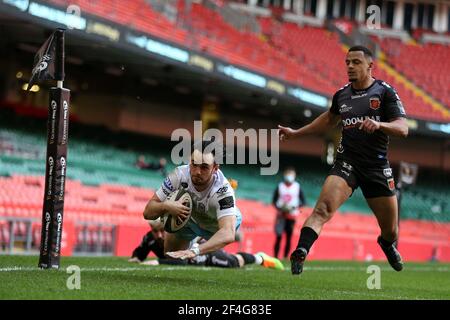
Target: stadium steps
(295,54)
(430,61)
(437,106)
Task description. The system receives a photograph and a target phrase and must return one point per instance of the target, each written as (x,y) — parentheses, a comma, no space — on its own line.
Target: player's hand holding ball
(177,209)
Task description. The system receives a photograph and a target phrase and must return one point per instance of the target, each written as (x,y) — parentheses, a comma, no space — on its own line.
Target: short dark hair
(218,151)
(290,168)
(366,51)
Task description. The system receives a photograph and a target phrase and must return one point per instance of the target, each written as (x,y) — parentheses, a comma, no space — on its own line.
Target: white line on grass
(173,268)
(406,268)
(12,269)
(377,295)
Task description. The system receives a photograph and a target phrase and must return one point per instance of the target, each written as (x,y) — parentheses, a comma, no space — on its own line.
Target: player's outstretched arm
(225,235)
(321,124)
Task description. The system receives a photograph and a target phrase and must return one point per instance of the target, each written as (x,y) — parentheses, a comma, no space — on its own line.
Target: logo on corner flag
(44,62)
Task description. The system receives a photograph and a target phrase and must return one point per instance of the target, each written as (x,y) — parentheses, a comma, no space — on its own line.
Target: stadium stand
(323,55)
(308,56)
(317,50)
(424,64)
(137,14)
(99,156)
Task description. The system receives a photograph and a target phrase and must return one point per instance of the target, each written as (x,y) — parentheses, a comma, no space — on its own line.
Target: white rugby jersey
(209,205)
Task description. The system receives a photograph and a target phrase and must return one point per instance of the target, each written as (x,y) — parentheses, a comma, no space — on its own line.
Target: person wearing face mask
(287,199)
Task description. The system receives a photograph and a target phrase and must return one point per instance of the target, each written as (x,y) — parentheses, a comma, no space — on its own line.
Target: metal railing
(22,236)
(87,246)
(13,240)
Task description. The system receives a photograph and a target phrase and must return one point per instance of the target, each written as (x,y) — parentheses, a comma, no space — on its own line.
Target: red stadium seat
(306,56)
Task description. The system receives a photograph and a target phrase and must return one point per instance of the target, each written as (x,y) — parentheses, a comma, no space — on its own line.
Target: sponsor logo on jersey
(352,122)
(222,190)
(347,166)
(375,103)
(344,108)
(359,96)
(168,184)
(226,203)
(387,172)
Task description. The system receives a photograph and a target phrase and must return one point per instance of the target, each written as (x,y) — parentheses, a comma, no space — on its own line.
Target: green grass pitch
(115,278)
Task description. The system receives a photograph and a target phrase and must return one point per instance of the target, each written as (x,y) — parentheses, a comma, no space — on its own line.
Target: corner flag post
(49,64)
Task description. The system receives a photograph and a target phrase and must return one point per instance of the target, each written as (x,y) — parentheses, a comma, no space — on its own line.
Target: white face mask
(289,178)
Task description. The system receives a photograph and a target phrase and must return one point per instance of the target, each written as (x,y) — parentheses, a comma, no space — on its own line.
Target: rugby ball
(172,225)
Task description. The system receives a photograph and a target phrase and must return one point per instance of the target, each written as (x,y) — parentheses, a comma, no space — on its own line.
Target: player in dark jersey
(153,241)
(370,110)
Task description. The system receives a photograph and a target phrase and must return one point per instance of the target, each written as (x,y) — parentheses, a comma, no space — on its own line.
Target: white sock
(258,259)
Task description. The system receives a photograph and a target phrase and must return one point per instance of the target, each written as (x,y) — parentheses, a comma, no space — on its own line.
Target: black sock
(144,248)
(307,238)
(248,258)
(277,246)
(287,247)
(386,243)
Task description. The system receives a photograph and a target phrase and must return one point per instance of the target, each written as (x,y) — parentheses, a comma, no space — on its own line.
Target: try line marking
(146,268)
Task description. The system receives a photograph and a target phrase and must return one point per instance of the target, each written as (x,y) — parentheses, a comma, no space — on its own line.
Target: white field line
(105,269)
(173,268)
